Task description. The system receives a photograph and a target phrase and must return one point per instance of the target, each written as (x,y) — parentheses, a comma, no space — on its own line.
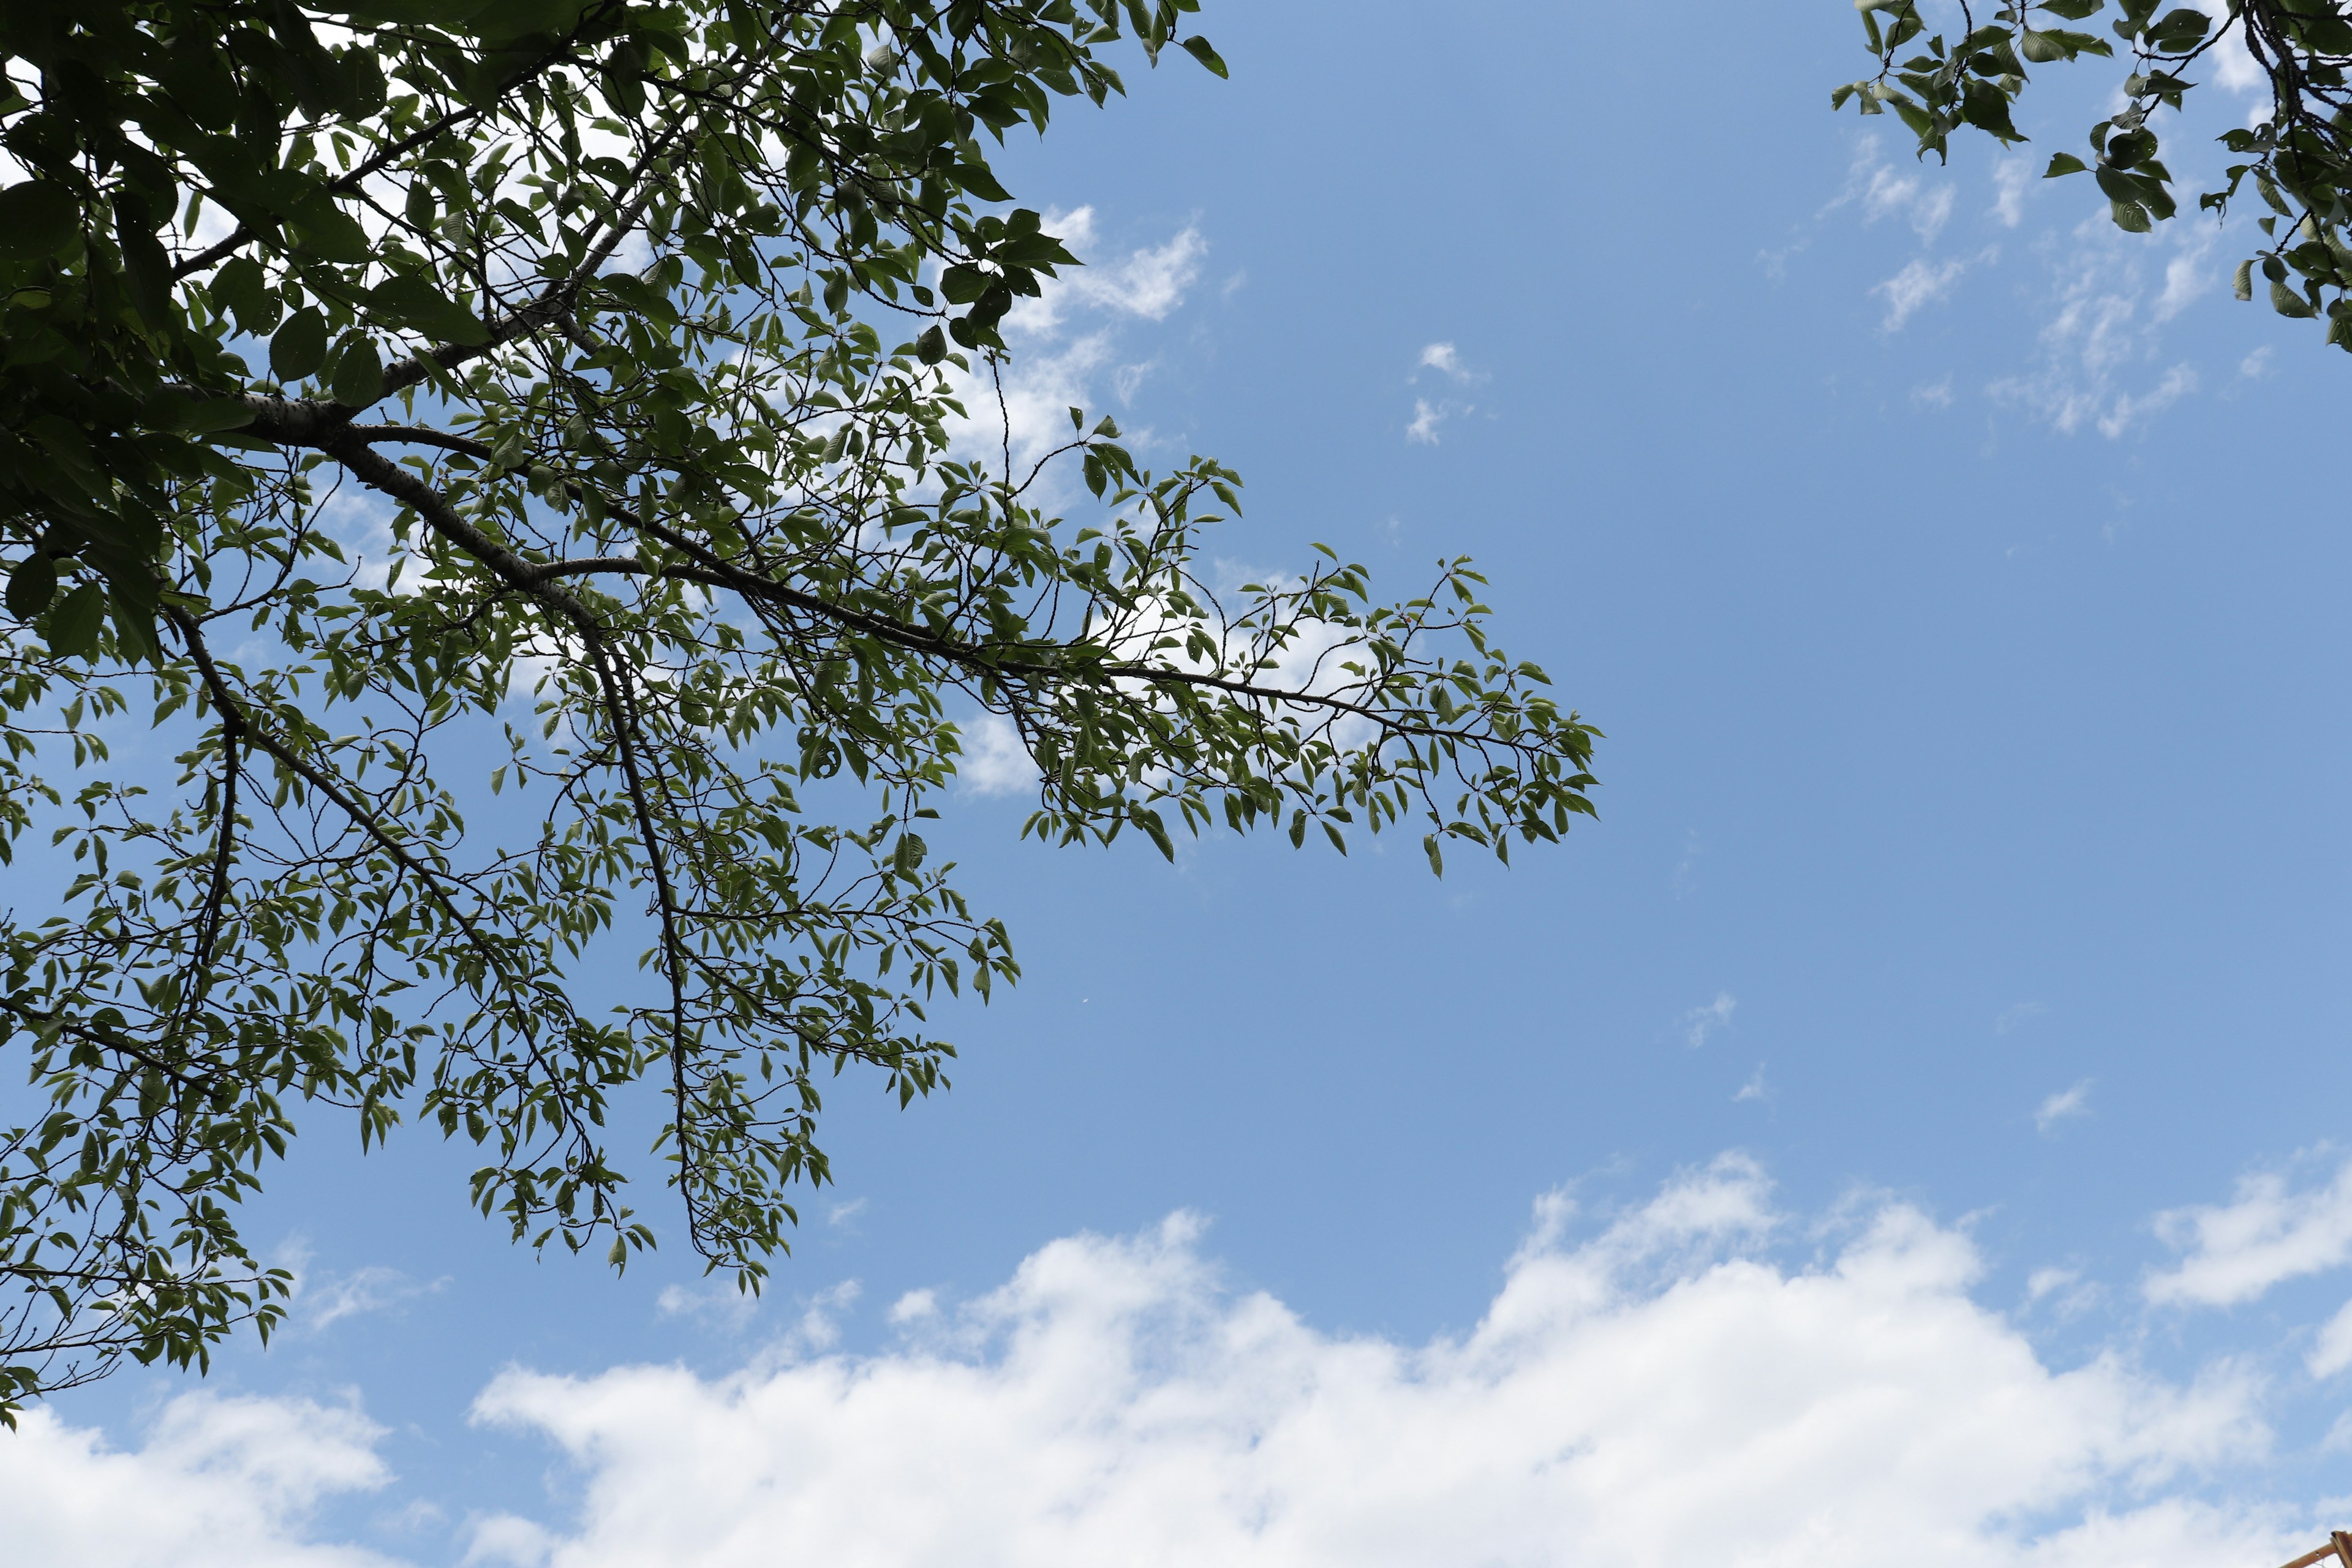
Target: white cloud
(1919,284)
(2011,178)
(2107,327)
(2232,64)
(2332,1352)
(1067,338)
(2066,1102)
(1662,1388)
(373,1288)
(1660,1392)
(2066,1291)
(2129,409)
(2044,1281)
(2257,364)
(1445,359)
(717,1302)
(1755,1087)
(995,762)
(2239,1250)
(1150,283)
(1428,415)
(1701,1022)
(219,1483)
(2185,277)
(1886,191)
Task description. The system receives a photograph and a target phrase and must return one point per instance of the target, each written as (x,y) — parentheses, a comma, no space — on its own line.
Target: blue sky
(1906,1124)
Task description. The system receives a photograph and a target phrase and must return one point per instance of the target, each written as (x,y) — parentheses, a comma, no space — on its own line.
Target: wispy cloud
(2331,1351)
(2237,1250)
(2013,1016)
(1686,878)
(2011,178)
(2059,1106)
(1920,283)
(1885,190)
(322,1301)
(2098,350)
(1701,1022)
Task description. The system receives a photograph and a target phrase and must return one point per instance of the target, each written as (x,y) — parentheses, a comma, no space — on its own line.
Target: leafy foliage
(648,325)
(2299,159)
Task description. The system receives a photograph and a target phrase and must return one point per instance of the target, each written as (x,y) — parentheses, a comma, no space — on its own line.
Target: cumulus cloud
(994,762)
(1446,360)
(219,1483)
(2237,1250)
(1429,414)
(1653,1387)
(2066,1102)
(1657,1393)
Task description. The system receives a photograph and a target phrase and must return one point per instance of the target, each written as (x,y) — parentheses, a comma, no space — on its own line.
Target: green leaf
(328,232)
(145,267)
(960,285)
(410,301)
(932,346)
(2243,284)
(1198,47)
(2287,302)
(31,585)
(2064,163)
(37,219)
(978,179)
(403,13)
(357,377)
(71,629)
(241,289)
(300,347)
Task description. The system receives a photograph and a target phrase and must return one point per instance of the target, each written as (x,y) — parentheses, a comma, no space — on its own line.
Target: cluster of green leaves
(2299,159)
(647,328)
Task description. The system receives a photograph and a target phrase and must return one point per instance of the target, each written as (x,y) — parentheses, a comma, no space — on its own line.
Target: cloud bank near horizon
(1661,1390)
